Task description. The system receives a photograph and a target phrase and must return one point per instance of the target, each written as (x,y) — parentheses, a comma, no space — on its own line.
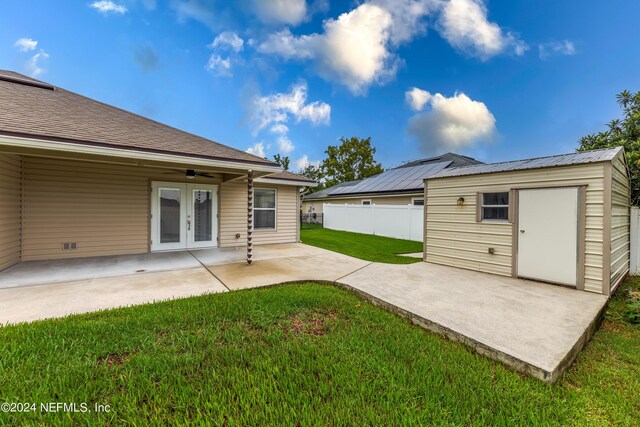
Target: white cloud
(352,50)
(304,161)
(228,40)
(34,64)
(278,108)
(452,123)
(564,47)
(107,6)
(25,44)
(257,149)
(279,129)
(417,98)
(407,17)
(274,111)
(464,24)
(357,49)
(219,66)
(285,145)
(198,10)
(290,12)
(230,43)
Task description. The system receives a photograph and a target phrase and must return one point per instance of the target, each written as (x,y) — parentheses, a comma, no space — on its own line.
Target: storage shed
(559,219)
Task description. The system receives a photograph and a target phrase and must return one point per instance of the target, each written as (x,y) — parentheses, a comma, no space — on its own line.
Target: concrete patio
(533,327)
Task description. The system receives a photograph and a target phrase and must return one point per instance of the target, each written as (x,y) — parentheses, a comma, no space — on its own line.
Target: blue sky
(497,80)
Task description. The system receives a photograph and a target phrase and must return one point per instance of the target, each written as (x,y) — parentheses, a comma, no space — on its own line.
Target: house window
(494,206)
(264,209)
(417,201)
(366,202)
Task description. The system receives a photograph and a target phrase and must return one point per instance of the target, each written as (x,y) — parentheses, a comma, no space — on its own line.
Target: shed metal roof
(583,157)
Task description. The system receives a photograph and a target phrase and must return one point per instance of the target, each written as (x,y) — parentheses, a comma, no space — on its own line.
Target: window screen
(264,209)
(495,206)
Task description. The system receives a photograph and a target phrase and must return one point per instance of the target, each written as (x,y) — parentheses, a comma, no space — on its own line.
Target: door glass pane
(169,215)
(202,216)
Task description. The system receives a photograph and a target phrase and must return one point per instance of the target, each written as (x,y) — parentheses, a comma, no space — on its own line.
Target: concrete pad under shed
(534,327)
(28,303)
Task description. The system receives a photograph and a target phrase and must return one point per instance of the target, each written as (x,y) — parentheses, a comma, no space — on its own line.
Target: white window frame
(482,206)
(274,209)
(413,201)
(362,202)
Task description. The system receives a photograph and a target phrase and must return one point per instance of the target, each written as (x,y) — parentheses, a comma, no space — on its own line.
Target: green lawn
(363,246)
(304,354)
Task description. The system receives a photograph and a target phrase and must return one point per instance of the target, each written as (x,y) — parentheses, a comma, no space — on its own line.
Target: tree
(624,132)
(315,173)
(351,160)
(282,161)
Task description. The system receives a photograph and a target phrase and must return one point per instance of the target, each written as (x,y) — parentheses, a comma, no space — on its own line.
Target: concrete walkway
(533,327)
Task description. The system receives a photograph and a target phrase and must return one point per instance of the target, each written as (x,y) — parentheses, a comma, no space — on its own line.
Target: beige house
(403,185)
(79,178)
(559,219)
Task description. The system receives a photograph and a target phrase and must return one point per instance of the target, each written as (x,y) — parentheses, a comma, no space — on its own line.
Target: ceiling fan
(189,173)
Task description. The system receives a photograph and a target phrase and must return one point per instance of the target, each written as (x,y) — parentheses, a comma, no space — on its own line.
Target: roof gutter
(283,181)
(41,144)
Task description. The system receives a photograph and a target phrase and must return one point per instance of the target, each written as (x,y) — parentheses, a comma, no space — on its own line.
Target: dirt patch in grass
(310,323)
(114,359)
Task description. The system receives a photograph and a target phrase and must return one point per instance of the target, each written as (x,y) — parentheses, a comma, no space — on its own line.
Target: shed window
(264,210)
(417,201)
(494,206)
(366,202)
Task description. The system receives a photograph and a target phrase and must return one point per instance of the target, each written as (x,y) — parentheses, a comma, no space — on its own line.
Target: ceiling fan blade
(204,174)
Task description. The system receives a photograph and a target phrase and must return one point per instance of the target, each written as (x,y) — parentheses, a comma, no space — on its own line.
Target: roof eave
(25,142)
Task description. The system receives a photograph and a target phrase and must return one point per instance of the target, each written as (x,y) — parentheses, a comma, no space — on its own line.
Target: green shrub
(632,310)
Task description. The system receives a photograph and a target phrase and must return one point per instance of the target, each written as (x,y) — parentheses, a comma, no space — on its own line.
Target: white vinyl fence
(635,240)
(398,221)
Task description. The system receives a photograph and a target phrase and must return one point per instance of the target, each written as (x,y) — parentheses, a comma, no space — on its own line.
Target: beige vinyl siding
(102,207)
(10,209)
(453,237)
(620,225)
(233,215)
(377,200)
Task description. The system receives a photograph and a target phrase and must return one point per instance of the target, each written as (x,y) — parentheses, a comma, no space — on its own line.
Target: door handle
(188,224)
(522,231)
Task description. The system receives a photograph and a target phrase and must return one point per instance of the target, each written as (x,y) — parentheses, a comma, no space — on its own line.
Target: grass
(303,354)
(363,246)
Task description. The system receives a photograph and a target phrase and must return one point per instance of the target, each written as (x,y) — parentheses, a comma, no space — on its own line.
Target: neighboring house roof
(290,176)
(327,191)
(287,178)
(455,159)
(582,157)
(30,108)
(405,179)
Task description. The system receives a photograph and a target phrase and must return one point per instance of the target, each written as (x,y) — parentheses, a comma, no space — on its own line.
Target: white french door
(183,216)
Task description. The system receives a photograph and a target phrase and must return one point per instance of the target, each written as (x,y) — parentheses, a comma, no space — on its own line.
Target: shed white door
(548,235)
(183,216)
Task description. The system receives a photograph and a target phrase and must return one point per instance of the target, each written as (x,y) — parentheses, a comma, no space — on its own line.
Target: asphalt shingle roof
(57,114)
